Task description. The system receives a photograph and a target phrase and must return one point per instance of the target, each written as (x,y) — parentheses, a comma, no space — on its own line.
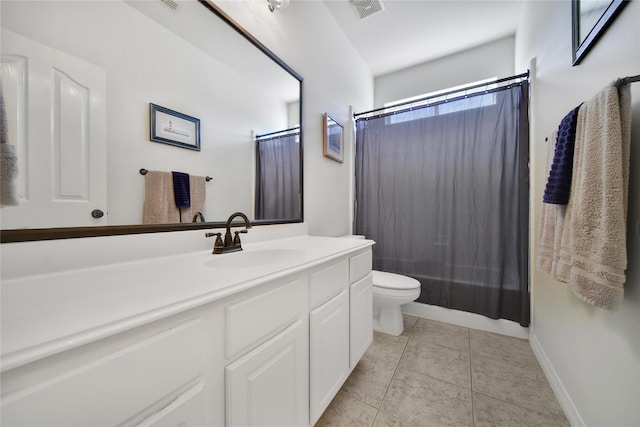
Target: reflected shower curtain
(443,190)
(278,177)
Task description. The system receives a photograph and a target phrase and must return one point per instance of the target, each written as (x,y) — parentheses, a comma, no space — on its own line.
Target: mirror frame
(35,234)
(580,49)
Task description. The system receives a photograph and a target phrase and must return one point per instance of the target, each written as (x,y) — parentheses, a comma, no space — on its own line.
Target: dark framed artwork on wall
(590,20)
(173,128)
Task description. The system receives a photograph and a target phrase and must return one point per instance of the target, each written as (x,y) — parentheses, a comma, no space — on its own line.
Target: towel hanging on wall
(559,181)
(551,224)
(589,237)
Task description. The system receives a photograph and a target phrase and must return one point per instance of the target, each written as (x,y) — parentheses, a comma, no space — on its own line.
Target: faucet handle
(218,243)
(236,238)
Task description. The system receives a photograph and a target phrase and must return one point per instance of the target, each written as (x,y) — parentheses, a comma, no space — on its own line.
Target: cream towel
(159,202)
(593,253)
(552,218)
(198,194)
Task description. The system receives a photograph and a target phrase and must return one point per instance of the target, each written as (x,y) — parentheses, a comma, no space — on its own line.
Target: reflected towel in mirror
(159,200)
(181,189)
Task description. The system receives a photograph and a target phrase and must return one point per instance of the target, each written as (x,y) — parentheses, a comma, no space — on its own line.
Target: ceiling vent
(365,8)
(174,6)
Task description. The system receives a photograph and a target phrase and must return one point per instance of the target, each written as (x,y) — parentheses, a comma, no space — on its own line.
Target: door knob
(97,213)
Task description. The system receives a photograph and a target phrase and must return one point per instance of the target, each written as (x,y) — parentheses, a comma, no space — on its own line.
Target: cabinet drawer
(112,389)
(330,281)
(250,321)
(359,266)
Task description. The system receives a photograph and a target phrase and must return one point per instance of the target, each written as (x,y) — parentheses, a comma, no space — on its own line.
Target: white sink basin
(257,258)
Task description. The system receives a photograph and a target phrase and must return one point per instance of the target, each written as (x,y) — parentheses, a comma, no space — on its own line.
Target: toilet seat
(392,281)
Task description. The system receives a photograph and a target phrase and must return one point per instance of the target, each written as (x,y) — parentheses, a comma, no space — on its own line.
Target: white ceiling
(409,32)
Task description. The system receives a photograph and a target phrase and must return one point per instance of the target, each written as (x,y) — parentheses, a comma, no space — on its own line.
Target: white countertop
(45,314)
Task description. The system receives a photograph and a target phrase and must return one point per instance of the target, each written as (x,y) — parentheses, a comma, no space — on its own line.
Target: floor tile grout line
(409,338)
(437,378)
(542,379)
(395,370)
(522,407)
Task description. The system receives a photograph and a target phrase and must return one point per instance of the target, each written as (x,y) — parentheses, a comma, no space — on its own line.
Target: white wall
(591,356)
(306,37)
(494,59)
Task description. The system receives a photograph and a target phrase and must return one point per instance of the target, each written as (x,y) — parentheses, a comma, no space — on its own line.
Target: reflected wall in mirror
(77,80)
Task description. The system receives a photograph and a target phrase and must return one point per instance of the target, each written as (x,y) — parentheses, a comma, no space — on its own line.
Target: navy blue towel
(181,189)
(559,182)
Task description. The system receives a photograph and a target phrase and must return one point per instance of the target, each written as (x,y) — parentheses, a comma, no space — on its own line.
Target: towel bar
(144,171)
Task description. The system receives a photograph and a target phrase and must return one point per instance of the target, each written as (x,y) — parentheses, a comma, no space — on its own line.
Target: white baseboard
(563,397)
(469,320)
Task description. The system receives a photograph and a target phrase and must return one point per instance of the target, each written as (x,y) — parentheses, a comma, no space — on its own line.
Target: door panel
(56,111)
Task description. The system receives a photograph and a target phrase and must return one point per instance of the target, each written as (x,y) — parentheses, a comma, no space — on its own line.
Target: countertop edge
(38,351)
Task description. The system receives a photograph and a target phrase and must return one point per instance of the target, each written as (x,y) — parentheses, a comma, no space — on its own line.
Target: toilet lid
(382,279)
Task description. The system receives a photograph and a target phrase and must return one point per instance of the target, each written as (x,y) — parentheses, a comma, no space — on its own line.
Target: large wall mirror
(78,79)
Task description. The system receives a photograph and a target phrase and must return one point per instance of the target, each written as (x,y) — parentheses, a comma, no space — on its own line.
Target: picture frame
(590,21)
(174,128)
(333,139)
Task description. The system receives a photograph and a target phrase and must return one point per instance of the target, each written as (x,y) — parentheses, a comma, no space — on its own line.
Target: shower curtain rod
(626,80)
(290,130)
(440,95)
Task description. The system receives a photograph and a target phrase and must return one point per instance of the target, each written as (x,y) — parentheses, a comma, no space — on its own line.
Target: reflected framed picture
(333,139)
(173,128)
(590,20)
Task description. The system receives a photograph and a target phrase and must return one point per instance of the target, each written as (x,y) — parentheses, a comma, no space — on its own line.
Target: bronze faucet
(230,244)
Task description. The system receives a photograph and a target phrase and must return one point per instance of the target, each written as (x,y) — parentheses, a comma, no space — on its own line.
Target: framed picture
(333,139)
(174,128)
(590,20)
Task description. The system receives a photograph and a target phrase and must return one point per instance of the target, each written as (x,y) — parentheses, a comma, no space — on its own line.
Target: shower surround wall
(591,356)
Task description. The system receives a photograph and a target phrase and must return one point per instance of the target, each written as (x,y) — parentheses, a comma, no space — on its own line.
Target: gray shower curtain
(443,190)
(278,177)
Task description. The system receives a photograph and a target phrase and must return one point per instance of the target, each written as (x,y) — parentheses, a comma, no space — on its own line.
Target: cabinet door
(361,318)
(329,345)
(270,385)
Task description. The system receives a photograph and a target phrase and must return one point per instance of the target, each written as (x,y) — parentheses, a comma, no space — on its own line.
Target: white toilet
(390,291)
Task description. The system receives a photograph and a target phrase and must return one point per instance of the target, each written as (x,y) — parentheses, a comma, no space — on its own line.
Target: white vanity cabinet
(146,376)
(340,326)
(361,306)
(267,343)
(328,335)
(265,348)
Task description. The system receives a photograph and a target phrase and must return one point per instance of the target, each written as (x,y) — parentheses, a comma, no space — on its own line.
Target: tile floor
(438,374)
